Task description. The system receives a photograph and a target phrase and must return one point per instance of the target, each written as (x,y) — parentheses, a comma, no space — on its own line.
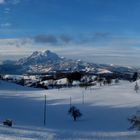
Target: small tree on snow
(135,122)
(136,88)
(74,112)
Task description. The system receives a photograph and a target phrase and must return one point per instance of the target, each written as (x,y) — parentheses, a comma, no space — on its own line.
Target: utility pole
(45,111)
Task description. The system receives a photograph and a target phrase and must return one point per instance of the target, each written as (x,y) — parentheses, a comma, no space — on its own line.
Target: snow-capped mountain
(41,62)
(39,58)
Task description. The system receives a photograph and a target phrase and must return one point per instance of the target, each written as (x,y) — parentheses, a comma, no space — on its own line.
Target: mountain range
(47,61)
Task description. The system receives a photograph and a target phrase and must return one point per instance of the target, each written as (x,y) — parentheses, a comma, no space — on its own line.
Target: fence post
(45,111)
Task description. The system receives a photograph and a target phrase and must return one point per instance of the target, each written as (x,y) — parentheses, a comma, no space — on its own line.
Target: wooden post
(70,101)
(83,100)
(45,111)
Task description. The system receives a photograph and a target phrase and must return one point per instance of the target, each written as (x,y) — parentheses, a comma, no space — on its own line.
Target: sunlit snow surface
(105,111)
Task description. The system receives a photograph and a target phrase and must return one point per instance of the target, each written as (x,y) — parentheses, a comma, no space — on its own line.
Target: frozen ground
(105,111)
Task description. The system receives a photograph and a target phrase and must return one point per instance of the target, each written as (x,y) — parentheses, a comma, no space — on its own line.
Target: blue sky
(24,18)
(71,26)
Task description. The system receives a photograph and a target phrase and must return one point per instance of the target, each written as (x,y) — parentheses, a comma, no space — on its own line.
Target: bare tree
(74,112)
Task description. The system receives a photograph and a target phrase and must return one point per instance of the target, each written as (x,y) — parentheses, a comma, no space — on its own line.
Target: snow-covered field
(105,111)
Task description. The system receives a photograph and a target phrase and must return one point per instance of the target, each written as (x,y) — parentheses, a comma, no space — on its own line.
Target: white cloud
(15,48)
(4,25)
(2,1)
(15,1)
(7,10)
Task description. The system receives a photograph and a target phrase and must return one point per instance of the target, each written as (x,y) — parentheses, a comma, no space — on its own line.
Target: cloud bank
(53,39)
(117,50)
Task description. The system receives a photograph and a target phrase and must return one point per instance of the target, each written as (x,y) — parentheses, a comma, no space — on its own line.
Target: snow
(103,71)
(62,81)
(105,111)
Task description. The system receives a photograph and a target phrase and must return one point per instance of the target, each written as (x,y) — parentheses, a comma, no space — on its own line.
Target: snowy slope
(105,111)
